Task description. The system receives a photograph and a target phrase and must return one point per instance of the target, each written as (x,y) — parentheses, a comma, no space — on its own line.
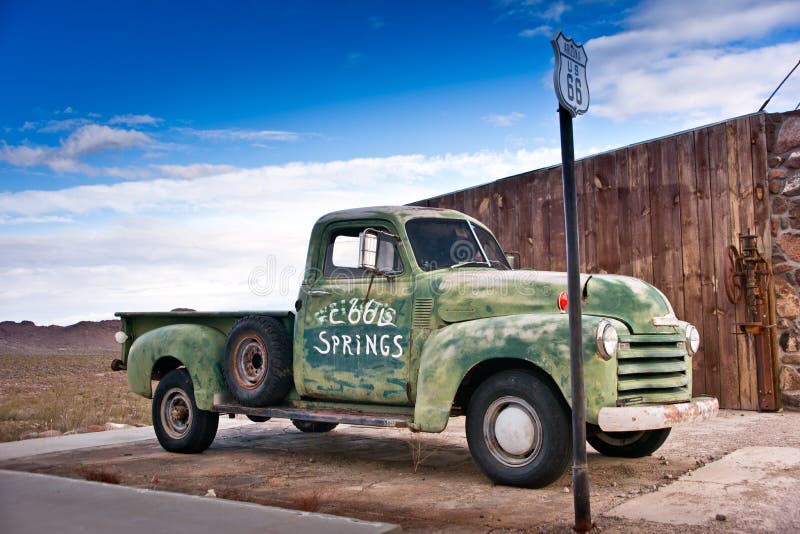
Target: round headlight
(121,337)
(607,339)
(692,339)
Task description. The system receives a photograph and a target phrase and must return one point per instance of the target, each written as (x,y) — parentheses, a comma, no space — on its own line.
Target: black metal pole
(580,473)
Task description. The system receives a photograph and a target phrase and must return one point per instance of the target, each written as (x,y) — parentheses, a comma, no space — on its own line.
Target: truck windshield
(443,243)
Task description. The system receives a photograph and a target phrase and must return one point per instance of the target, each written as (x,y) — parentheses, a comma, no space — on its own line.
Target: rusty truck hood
(472,293)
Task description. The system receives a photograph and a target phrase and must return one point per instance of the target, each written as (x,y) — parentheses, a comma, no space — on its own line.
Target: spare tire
(258,361)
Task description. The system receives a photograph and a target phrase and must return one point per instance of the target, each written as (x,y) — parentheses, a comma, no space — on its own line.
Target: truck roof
(401,213)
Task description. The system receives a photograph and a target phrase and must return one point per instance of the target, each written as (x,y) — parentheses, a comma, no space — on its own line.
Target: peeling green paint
(541,340)
(199,348)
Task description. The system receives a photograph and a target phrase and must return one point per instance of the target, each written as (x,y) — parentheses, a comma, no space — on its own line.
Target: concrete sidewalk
(33,503)
(753,489)
(32,447)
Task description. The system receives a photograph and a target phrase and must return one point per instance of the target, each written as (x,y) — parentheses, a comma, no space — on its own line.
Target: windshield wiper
(471,263)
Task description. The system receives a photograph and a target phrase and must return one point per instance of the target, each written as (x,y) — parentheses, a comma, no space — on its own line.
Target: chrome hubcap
(512,431)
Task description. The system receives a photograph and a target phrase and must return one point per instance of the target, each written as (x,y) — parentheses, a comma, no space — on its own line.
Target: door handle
(318,292)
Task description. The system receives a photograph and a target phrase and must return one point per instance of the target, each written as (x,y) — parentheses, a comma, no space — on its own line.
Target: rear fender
(542,340)
(199,348)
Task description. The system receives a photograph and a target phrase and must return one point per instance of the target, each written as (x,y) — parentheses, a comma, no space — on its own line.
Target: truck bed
(137,323)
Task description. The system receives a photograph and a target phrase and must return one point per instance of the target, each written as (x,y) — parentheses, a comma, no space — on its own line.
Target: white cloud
(671,60)
(533,9)
(501,120)
(64,125)
(193,240)
(237,134)
(27,125)
(94,137)
(135,120)
(538,30)
(196,170)
(555,11)
(85,140)
(47,219)
(23,155)
(224,188)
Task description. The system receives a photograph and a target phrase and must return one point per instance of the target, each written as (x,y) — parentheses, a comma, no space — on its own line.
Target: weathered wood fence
(665,211)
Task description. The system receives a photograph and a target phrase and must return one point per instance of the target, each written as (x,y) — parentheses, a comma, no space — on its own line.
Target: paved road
(33,503)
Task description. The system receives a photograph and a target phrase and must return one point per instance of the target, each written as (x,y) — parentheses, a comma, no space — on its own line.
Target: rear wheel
(518,430)
(313,426)
(179,424)
(629,444)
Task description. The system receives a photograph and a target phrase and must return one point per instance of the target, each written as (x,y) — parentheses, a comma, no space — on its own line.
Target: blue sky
(158,154)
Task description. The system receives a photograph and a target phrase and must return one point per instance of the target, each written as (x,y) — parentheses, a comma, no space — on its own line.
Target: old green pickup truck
(408,316)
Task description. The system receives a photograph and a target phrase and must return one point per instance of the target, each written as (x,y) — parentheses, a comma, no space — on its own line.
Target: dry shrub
(98,474)
(310,502)
(418,452)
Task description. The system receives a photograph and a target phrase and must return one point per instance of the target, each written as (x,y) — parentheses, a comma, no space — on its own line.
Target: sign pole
(580,473)
(572,90)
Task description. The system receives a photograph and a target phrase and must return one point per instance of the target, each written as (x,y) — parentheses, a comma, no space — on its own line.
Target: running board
(349,417)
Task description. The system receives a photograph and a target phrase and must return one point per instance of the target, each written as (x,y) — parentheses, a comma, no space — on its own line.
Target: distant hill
(85,337)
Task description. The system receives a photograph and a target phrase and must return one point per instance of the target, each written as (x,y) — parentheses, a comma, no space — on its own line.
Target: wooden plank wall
(664,211)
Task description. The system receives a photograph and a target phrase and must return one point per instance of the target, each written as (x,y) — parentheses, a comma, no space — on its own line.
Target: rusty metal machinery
(747,278)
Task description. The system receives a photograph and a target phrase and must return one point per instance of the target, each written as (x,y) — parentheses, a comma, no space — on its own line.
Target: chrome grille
(653,369)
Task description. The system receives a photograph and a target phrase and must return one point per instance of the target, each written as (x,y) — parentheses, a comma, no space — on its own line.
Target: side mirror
(368,243)
(377,252)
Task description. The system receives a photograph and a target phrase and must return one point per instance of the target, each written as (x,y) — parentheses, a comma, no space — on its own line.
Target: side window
(341,256)
(345,251)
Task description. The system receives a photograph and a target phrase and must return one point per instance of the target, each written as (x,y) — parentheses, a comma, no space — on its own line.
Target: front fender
(542,340)
(199,348)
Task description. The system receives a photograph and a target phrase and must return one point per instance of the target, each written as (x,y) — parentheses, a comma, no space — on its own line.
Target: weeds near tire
(418,452)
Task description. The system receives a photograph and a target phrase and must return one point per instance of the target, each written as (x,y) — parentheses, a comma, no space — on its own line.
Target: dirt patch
(370,473)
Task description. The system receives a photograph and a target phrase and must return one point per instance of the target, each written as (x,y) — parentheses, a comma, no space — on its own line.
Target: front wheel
(629,444)
(518,430)
(179,424)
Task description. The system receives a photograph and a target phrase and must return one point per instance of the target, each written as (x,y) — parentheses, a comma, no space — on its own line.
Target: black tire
(629,444)
(258,361)
(313,426)
(179,424)
(258,418)
(530,459)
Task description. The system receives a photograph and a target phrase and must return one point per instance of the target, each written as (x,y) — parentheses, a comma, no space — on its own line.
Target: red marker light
(562,301)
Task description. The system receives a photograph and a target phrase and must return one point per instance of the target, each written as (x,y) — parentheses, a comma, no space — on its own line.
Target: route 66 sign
(569,76)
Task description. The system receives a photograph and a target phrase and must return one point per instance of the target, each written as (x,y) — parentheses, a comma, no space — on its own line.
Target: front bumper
(633,418)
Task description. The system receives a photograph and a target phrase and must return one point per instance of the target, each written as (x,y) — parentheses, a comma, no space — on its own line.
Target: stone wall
(783,146)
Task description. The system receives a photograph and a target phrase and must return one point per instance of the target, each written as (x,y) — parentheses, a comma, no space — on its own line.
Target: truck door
(355,327)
